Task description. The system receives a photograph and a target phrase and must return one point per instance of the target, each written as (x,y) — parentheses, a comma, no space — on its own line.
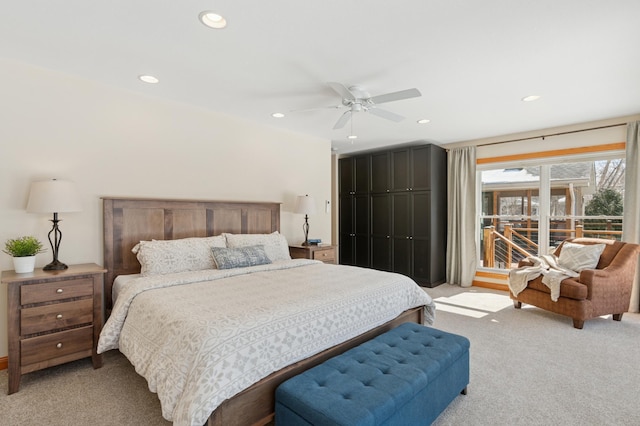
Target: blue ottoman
(406,376)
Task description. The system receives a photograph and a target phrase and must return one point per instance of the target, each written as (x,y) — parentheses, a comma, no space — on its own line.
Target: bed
(282,316)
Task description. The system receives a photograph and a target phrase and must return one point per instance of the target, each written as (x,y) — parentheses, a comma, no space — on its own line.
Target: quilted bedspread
(201,337)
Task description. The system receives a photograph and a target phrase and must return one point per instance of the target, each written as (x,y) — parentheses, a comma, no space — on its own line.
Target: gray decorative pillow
(239,257)
(275,244)
(578,257)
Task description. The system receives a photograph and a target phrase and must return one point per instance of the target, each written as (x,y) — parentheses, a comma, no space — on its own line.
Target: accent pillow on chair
(578,257)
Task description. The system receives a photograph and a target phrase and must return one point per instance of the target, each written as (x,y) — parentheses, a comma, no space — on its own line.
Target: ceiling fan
(357,100)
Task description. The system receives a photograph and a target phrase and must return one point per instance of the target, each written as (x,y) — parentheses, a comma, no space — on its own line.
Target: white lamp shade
(54,196)
(305,205)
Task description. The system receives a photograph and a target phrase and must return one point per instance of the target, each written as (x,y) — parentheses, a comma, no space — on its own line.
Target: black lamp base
(56,265)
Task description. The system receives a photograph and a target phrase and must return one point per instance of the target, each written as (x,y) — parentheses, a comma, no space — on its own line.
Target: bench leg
(464,391)
(617,317)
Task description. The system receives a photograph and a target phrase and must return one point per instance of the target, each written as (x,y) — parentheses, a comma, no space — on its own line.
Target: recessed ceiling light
(277,115)
(530,98)
(423,121)
(212,19)
(148,79)
(352,137)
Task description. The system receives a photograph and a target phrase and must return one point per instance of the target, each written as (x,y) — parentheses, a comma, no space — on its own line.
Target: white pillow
(169,256)
(578,257)
(275,244)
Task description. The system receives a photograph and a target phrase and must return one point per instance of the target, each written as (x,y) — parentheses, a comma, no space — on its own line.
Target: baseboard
(493,286)
(4,363)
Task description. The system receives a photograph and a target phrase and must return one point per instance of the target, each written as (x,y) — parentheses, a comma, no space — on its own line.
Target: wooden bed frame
(128,221)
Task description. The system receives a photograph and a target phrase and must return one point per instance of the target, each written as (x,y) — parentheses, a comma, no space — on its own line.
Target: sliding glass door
(527,209)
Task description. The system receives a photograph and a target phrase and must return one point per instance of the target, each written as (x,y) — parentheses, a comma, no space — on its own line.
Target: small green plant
(23,246)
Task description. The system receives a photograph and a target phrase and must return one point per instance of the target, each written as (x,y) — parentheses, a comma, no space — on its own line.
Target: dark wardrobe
(393,212)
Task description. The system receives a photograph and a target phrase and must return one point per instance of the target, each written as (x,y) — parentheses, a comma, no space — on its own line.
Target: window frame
(544,160)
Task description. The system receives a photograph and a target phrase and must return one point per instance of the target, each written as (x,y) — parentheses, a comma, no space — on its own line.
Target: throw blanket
(201,337)
(546,265)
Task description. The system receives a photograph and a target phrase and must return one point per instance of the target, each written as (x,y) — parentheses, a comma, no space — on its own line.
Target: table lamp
(305,205)
(54,196)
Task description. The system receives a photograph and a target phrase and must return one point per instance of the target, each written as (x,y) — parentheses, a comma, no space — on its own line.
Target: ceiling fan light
(423,121)
(277,115)
(212,19)
(352,137)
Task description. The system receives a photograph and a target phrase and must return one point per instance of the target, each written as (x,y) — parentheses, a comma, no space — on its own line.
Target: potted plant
(23,250)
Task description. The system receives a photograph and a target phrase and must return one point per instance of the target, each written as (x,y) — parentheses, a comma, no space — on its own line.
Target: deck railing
(504,250)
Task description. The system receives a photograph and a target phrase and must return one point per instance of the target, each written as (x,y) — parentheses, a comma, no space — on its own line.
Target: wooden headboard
(127,221)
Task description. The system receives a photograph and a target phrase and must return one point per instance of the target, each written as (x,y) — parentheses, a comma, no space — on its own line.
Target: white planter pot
(24,264)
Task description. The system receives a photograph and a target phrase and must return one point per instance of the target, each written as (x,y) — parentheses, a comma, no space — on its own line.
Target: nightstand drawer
(327,256)
(56,345)
(55,316)
(59,290)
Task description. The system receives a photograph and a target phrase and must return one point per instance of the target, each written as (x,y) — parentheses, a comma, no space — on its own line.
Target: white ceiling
(472,60)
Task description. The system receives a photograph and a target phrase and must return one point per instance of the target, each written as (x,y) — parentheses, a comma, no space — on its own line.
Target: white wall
(117,143)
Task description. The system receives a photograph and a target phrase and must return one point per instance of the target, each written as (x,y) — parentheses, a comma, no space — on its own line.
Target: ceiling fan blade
(317,108)
(383,113)
(396,96)
(342,91)
(344,119)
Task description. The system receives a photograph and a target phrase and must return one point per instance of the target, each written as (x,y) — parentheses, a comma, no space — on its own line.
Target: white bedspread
(199,339)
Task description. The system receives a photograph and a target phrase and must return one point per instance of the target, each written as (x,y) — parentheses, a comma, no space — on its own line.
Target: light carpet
(528,367)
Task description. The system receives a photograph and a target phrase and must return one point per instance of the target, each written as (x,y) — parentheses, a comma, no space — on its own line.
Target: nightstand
(54,317)
(326,254)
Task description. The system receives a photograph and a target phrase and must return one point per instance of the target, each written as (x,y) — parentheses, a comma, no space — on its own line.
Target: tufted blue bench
(406,376)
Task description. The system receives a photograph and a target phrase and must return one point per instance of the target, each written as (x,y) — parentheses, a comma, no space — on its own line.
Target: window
(527,209)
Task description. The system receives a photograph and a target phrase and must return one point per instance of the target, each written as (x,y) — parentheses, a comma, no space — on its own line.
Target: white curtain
(461,235)
(631,215)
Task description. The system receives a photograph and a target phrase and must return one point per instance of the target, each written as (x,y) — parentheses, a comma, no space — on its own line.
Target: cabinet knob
(411,238)
(59,346)
(59,316)
(407,189)
(59,291)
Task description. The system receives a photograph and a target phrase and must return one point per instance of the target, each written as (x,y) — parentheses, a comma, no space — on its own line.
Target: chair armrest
(600,282)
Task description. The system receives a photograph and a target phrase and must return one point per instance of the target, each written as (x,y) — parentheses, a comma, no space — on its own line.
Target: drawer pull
(59,291)
(59,346)
(59,316)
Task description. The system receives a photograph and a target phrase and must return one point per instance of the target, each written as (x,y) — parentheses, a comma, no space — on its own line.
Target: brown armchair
(601,291)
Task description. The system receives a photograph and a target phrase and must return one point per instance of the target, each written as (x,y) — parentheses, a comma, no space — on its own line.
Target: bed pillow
(239,257)
(275,244)
(169,256)
(578,257)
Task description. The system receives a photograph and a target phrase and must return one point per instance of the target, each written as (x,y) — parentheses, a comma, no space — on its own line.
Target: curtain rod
(552,134)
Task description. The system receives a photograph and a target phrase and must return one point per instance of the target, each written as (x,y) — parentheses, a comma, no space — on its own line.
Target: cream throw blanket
(546,265)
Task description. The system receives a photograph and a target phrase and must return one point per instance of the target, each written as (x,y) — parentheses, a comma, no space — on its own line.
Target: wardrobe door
(380,173)
(381,232)
(401,233)
(420,168)
(421,232)
(400,170)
